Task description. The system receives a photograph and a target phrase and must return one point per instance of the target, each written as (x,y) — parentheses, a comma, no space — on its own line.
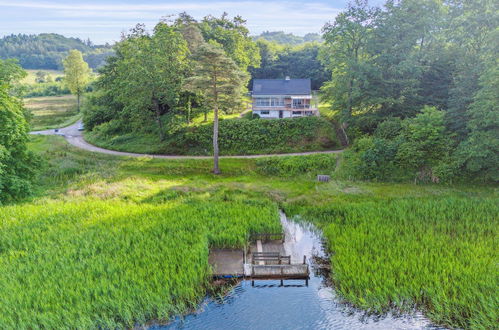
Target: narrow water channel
(293,306)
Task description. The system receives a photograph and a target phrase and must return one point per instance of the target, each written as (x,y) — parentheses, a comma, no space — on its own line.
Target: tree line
(47,50)
(415,84)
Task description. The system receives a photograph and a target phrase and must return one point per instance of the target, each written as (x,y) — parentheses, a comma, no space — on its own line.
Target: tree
(16,163)
(77,74)
(425,143)
(346,55)
(220,81)
(234,37)
(479,153)
(147,75)
(471,23)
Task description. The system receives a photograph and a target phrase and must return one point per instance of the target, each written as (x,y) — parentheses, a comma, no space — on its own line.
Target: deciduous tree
(77,74)
(17,165)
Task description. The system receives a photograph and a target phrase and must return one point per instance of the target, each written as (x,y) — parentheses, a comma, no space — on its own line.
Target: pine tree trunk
(216,169)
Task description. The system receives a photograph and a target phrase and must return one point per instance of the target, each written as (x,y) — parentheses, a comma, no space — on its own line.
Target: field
(52,111)
(30,78)
(394,246)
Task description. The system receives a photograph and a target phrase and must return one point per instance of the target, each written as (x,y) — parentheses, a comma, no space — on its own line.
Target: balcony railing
(301,106)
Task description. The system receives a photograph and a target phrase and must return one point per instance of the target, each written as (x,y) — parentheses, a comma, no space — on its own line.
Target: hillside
(46,50)
(281,37)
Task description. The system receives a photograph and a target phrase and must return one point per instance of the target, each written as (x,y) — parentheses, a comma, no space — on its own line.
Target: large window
(269,102)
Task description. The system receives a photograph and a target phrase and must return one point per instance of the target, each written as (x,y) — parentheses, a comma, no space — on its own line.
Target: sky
(103,21)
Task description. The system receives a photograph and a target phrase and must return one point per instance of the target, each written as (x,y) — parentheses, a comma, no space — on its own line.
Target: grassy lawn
(52,111)
(110,241)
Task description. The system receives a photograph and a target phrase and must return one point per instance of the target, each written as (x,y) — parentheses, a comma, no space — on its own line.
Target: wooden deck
(264,259)
(227,262)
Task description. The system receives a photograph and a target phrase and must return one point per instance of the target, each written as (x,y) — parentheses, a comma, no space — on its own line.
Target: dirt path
(75,138)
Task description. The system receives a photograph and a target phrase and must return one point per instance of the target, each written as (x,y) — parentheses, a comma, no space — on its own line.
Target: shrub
(297,165)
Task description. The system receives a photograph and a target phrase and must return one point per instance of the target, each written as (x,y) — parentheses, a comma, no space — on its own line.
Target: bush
(297,165)
(237,136)
(44,89)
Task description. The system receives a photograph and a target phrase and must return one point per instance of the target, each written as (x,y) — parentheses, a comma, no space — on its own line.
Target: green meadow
(116,242)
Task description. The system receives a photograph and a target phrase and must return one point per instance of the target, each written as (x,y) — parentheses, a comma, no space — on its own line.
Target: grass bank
(394,246)
(52,111)
(236,137)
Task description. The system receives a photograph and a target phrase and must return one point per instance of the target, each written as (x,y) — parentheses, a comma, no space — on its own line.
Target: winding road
(75,138)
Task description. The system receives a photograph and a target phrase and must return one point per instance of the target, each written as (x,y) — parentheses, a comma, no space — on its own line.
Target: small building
(283,98)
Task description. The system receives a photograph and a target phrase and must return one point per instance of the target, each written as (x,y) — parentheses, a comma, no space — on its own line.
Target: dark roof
(281,87)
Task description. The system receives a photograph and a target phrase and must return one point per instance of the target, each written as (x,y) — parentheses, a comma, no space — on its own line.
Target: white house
(283,98)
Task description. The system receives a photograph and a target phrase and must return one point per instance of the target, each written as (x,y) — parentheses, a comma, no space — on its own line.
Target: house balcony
(287,107)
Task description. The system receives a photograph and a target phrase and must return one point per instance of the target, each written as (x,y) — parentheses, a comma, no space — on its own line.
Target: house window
(296,112)
(264,112)
(269,102)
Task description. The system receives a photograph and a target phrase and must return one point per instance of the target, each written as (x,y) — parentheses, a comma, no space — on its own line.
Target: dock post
(252,282)
(304,260)
(282,282)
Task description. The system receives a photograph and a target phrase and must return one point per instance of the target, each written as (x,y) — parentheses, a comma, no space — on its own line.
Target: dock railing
(266,237)
(270,258)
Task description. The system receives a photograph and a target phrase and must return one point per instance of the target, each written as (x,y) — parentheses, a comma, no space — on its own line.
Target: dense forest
(415,86)
(46,50)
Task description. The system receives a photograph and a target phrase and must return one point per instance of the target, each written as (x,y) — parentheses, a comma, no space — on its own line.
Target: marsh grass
(88,263)
(436,254)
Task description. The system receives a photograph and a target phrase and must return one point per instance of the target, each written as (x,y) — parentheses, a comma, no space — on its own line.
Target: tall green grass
(88,263)
(437,254)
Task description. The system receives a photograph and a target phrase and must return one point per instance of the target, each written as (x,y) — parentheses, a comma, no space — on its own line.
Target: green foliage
(280,37)
(425,142)
(437,254)
(47,50)
(418,148)
(237,136)
(17,165)
(480,152)
(43,89)
(76,74)
(293,166)
(117,264)
(233,36)
(296,62)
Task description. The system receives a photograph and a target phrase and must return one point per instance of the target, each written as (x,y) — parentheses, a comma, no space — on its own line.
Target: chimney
(287,77)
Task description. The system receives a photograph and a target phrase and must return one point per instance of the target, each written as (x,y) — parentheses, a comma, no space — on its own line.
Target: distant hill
(288,38)
(46,50)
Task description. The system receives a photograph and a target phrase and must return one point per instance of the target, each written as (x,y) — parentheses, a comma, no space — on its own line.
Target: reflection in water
(294,306)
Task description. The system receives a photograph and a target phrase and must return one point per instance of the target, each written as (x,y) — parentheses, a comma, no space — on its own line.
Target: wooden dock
(264,259)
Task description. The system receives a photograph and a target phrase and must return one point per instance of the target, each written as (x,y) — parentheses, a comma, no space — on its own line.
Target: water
(294,306)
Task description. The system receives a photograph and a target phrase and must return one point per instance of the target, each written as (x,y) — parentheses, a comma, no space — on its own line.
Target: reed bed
(94,264)
(436,254)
